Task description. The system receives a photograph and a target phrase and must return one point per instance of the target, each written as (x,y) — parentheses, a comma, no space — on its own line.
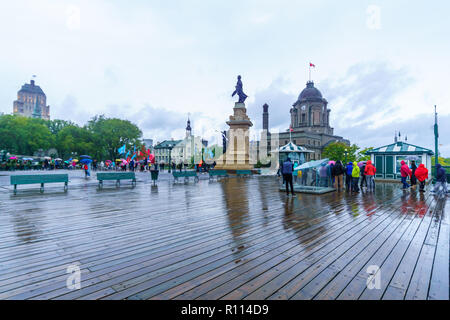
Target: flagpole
(310,72)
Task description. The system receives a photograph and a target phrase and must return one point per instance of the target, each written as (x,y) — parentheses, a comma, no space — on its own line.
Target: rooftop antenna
(395,136)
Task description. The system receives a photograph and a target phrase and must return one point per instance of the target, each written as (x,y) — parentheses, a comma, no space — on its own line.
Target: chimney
(265,117)
(32,83)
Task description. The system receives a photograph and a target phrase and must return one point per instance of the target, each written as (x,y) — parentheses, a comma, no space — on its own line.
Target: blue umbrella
(86,161)
(87,157)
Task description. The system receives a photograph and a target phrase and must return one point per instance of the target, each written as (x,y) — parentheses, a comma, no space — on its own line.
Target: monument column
(237,155)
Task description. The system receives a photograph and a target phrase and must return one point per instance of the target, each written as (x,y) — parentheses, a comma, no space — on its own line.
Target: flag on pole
(290,128)
(121,150)
(312,65)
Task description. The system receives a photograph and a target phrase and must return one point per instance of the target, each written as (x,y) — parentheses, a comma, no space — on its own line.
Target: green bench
(242,173)
(117,176)
(185,175)
(217,173)
(39,178)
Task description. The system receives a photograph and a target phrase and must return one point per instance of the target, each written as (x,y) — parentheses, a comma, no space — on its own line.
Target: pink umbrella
(361,163)
(124,162)
(331,162)
(12,158)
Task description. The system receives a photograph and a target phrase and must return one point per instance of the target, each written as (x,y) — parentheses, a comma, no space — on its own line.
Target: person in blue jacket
(348,176)
(286,171)
(441,178)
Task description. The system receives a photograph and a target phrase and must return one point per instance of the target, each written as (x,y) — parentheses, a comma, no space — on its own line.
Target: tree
(24,136)
(362,156)
(338,150)
(73,139)
(109,134)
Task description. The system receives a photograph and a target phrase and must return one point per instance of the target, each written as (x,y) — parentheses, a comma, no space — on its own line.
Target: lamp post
(436,136)
(345,154)
(170,156)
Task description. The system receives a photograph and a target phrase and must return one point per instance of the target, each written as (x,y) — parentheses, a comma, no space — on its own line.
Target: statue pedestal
(237,155)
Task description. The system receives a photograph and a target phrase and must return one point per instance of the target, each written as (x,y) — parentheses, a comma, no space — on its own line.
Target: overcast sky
(382,65)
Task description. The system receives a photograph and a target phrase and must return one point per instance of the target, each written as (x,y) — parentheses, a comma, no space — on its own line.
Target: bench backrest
(39,178)
(217,172)
(184,174)
(115,175)
(243,172)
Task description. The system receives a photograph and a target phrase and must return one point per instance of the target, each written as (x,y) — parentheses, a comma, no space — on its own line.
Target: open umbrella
(47,158)
(412,157)
(12,158)
(28,159)
(124,162)
(58,159)
(74,160)
(108,161)
(361,163)
(85,156)
(332,162)
(85,161)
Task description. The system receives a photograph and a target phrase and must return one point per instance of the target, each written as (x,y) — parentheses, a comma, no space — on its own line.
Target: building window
(303,118)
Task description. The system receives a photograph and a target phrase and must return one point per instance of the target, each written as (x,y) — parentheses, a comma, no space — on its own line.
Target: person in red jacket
(421,175)
(370,171)
(405,172)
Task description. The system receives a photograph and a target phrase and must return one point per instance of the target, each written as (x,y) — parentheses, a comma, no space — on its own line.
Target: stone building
(31,102)
(310,123)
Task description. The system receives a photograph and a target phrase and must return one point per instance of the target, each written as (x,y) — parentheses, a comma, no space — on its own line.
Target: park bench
(185,175)
(39,178)
(243,173)
(117,176)
(217,173)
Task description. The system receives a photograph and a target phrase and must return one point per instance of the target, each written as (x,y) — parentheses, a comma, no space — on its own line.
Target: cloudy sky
(382,65)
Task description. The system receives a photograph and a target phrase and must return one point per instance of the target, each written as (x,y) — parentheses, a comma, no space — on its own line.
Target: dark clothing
(288,167)
(413,176)
(337,169)
(348,181)
(363,176)
(288,180)
(355,187)
(422,186)
(440,174)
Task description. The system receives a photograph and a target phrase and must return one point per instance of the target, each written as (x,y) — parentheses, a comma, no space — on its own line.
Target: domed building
(310,123)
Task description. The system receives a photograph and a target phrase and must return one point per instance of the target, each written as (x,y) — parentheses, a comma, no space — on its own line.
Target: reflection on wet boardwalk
(233,239)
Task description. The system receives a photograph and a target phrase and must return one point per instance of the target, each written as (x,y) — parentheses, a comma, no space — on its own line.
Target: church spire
(188,128)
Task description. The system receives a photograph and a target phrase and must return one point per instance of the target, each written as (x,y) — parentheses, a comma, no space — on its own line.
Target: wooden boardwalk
(232,239)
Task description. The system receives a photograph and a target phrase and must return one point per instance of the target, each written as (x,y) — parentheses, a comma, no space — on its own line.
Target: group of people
(355,177)
(352,173)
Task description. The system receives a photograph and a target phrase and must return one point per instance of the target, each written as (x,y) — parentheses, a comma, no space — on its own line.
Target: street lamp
(170,147)
(346,153)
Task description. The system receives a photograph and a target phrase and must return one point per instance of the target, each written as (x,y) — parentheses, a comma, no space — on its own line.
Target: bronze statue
(239,91)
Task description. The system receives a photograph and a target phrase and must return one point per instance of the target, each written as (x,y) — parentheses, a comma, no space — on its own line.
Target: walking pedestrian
(405,173)
(323,173)
(286,171)
(355,177)
(369,172)
(338,173)
(422,175)
(441,178)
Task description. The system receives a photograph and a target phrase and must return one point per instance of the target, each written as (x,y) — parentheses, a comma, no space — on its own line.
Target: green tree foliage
(21,135)
(443,161)
(110,134)
(99,138)
(338,150)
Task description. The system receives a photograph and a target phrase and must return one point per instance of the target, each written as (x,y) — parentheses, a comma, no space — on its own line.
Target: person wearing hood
(405,172)
(348,176)
(286,171)
(441,178)
(422,175)
(323,174)
(369,172)
(355,177)
(363,175)
(413,177)
(338,173)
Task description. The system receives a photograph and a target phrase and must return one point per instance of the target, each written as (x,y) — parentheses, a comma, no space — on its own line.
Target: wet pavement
(236,238)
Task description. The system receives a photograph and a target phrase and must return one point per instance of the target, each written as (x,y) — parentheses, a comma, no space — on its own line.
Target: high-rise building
(31,102)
